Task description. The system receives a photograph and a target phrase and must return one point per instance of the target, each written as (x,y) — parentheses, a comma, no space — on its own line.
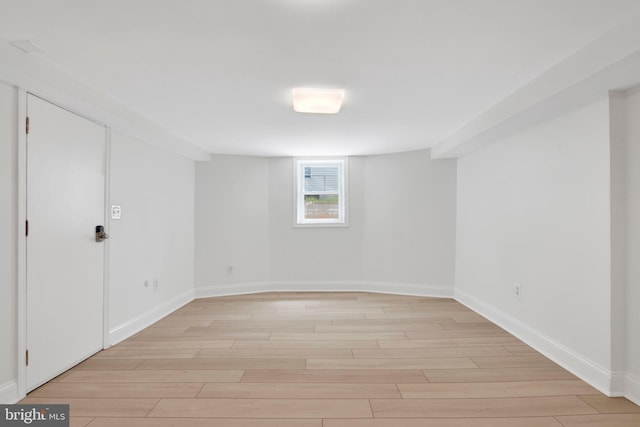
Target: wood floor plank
(215,316)
(272,304)
(385,322)
(100,407)
(468,316)
(168,345)
(359,308)
(80,421)
(399,327)
(128,390)
(478,408)
(459,333)
(496,389)
(436,300)
(366,299)
(333,376)
(299,390)
(521,350)
(512,361)
(497,375)
(449,342)
(258,327)
(611,405)
(421,308)
(175,353)
(287,353)
(180,323)
(95,364)
(243,309)
(605,420)
(308,316)
(142,376)
(478,326)
(276,323)
(204,334)
(263,408)
(202,422)
(338,336)
(204,337)
(222,363)
(262,344)
(415,353)
(428,363)
(414,315)
(446,422)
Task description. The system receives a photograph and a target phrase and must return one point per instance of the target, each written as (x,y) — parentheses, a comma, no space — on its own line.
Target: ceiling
(219,73)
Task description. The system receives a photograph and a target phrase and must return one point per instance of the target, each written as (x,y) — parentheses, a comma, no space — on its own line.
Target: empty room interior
(321,213)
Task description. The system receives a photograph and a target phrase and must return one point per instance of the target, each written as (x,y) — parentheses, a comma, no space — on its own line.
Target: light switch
(116,211)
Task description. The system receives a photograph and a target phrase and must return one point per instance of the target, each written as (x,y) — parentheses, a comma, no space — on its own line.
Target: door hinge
(26,358)
(26,228)
(27,126)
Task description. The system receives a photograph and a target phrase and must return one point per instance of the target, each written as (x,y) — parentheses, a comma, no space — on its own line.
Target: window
(320,192)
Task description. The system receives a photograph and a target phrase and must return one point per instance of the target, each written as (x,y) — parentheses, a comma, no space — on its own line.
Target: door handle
(101,236)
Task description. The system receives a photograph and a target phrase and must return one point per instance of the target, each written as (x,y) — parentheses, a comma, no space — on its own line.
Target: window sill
(321,225)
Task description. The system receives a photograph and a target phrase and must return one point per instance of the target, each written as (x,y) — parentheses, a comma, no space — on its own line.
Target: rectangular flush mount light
(318,101)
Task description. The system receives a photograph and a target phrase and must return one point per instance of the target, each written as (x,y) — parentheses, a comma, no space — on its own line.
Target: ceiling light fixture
(317,101)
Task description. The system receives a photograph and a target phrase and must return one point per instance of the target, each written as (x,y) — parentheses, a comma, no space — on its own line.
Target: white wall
(232,221)
(244,219)
(410,206)
(400,233)
(314,254)
(632,120)
(534,209)
(154,238)
(8,239)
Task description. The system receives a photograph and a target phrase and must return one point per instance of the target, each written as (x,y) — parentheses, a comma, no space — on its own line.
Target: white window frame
(298,214)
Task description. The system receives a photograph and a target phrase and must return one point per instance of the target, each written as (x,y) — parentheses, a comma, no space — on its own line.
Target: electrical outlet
(517,290)
(155,284)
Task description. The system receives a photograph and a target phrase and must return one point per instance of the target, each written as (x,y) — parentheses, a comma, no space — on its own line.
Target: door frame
(21,303)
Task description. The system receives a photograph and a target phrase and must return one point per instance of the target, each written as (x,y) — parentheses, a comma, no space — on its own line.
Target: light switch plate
(116,212)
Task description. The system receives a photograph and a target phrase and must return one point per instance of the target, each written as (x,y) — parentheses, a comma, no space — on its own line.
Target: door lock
(101,236)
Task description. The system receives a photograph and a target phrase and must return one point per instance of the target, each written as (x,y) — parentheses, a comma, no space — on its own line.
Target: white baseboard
(411,289)
(135,325)
(343,286)
(587,370)
(9,392)
(617,384)
(632,388)
(231,289)
(316,286)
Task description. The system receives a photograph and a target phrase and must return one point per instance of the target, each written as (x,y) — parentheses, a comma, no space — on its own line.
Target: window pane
(321,206)
(320,191)
(322,179)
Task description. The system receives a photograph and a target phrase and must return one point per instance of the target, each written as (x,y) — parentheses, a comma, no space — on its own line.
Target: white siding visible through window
(320,192)
(321,179)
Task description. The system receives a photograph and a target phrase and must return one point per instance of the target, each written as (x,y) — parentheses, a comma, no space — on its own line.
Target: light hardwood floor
(327,360)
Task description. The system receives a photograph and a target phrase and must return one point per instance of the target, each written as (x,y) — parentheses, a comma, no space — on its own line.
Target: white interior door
(65,264)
